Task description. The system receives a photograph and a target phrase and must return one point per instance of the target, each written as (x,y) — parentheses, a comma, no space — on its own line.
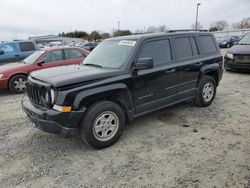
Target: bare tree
(154,29)
(162,28)
(219,25)
(199,26)
(244,23)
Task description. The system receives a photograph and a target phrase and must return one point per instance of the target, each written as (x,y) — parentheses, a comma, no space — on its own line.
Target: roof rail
(187,30)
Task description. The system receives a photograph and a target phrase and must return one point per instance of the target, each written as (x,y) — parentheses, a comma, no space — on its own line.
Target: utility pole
(196,20)
(119,25)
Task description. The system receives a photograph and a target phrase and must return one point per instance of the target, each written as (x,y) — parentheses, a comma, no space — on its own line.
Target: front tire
(206,91)
(17,84)
(102,124)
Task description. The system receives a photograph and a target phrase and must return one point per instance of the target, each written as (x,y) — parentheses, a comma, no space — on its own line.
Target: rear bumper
(51,121)
(3,84)
(231,64)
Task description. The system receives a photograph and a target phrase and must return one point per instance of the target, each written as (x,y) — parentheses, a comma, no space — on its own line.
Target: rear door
(188,64)
(73,56)
(154,88)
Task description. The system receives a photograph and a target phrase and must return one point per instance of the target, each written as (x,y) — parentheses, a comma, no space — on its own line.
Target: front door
(156,87)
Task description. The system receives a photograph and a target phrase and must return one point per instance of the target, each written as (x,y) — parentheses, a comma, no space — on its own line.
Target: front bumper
(51,121)
(232,64)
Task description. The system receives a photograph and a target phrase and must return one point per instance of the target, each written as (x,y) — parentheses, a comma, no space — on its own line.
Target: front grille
(37,93)
(33,92)
(242,58)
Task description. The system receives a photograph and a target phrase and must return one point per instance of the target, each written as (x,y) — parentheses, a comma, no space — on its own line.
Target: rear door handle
(170,71)
(16,55)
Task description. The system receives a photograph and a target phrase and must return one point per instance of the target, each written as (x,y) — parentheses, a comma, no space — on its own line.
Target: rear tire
(102,124)
(206,91)
(17,84)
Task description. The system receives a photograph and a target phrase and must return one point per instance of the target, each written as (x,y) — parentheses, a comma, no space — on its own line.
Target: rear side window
(207,44)
(158,50)
(26,46)
(73,54)
(183,48)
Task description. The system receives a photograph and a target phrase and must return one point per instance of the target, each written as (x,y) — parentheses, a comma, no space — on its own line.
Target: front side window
(111,53)
(55,55)
(26,46)
(73,54)
(158,50)
(207,44)
(8,48)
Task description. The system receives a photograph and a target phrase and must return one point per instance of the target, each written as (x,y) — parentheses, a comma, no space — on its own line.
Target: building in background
(45,40)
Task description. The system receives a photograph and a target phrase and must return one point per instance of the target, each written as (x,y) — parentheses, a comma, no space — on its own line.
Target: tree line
(96,35)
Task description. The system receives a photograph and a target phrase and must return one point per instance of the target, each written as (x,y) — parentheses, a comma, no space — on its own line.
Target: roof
(152,35)
(60,48)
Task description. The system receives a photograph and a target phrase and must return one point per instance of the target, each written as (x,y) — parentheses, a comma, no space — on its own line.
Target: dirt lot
(182,146)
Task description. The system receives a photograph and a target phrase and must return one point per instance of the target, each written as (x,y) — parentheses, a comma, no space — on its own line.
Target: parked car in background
(228,41)
(13,76)
(89,46)
(16,50)
(238,57)
(122,79)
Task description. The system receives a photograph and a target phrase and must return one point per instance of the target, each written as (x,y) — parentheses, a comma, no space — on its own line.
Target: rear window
(207,44)
(26,46)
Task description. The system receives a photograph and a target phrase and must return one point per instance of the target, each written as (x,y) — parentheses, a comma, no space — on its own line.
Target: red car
(13,76)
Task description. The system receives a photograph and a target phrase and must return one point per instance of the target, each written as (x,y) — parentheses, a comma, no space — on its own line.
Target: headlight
(1,75)
(229,55)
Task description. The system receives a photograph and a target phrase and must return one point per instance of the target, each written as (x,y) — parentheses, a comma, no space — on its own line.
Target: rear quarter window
(26,46)
(207,44)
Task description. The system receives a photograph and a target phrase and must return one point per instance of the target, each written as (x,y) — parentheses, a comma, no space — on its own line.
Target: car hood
(72,74)
(11,66)
(240,49)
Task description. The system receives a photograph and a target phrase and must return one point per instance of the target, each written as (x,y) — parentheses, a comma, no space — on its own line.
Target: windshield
(245,39)
(33,57)
(111,54)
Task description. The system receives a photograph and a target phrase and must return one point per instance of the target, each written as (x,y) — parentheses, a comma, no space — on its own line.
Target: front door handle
(170,71)
(199,63)
(16,55)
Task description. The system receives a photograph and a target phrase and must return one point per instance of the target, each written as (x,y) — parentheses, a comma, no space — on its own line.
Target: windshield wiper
(94,65)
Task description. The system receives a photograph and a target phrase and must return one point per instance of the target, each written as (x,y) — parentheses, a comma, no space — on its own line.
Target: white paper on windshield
(127,43)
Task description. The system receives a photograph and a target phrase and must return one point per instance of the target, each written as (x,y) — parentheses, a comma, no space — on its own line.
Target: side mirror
(1,52)
(144,63)
(40,63)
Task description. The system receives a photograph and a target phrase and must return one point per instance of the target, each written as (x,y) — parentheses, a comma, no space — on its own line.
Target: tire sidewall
(203,82)
(89,119)
(12,85)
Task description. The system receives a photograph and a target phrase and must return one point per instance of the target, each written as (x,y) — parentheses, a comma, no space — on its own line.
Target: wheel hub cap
(208,91)
(20,84)
(105,126)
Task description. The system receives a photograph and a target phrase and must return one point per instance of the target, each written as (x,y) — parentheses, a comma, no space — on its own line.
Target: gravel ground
(182,146)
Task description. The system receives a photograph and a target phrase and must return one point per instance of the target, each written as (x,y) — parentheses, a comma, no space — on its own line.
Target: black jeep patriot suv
(124,78)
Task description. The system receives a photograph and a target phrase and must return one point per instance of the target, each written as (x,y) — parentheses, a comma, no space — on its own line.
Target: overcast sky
(23,18)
